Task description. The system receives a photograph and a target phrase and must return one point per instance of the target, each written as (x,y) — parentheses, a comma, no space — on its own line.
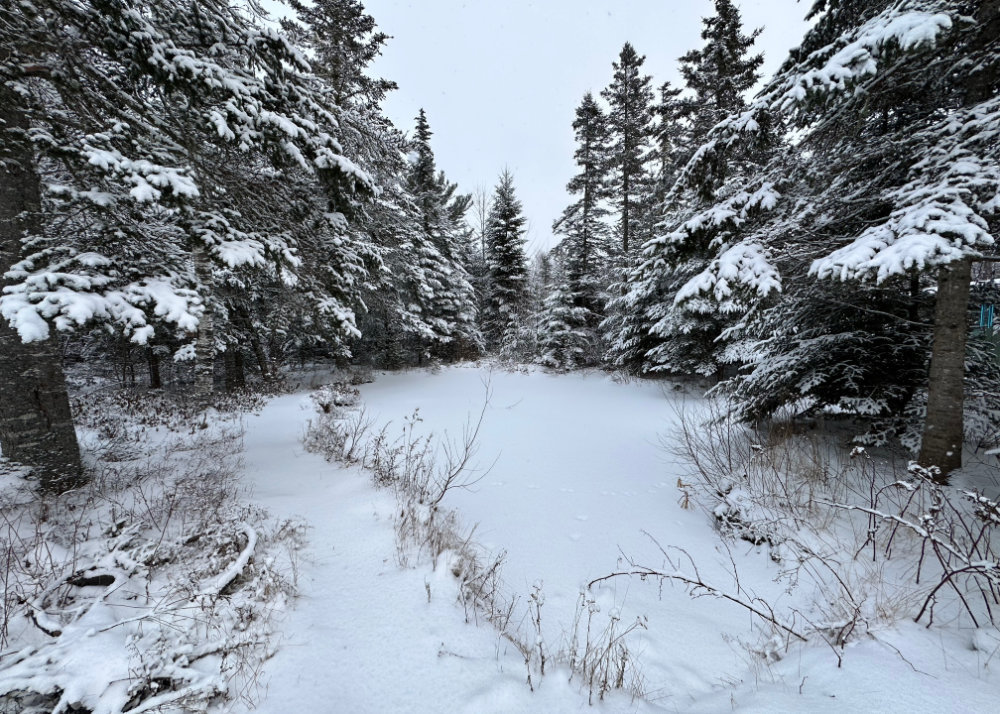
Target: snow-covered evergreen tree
(630,98)
(148,123)
(652,332)
(566,338)
(673,142)
(348,272)
(508,271)
(885,205)
(720,73)
(585,245)
(346,40)
(436,248)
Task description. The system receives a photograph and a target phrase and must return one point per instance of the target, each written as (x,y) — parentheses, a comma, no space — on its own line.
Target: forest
(205,212)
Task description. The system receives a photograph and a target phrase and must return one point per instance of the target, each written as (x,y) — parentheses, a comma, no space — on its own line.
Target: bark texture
(943,430)
(153,361)
(204,346)
(36,424)
(941,445)
(235,372)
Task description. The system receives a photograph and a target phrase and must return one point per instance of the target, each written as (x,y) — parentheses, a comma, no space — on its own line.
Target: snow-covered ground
(578,477)
(366,636)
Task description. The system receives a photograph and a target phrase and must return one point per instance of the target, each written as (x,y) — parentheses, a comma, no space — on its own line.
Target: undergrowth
(421,470)
(154,586)
(875,541)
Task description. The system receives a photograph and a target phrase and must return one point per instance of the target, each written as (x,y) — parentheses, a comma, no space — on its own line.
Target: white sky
(500,79)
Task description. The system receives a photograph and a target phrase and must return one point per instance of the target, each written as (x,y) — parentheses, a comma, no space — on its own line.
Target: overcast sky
(500,79)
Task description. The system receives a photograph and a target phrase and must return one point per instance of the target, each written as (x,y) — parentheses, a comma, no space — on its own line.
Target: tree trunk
(943,436)
(261,355)
(235,375)
(943,430)
(258,351)
(204,346)
(153,360)
(626,219)
(36,424)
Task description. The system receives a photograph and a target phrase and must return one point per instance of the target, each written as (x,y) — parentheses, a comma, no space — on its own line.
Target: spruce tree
(437,246)
(565,340)
(508,270)
(585,244)
(630,123)
(636,302)
(871,223)
(656,332)
(673,143)
(149,126)
(720,73)
(346,40)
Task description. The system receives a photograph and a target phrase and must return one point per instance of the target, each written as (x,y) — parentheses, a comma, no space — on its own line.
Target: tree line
(193,185)
(819,249)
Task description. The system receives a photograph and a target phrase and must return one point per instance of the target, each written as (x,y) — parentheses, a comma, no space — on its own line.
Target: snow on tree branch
(734,211)
(73,300)
(932,230)
(941,213)
(836,67)
(856,55)
(745,265)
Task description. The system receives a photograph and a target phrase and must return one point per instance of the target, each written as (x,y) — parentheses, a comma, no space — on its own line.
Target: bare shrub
(340,429)
(421,470)
(876,543)
(957,532)
(599,656)
(741,473)
(157,564)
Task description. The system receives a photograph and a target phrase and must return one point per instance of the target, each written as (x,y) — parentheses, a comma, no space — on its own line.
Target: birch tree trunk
(36,424)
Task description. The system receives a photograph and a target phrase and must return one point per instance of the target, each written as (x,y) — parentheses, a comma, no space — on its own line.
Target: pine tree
(36,425)
(565,337)
(508,271)
(346,41)
(151,123)
(630,122)
(410,231)
(443,288)
(721,72)
(585,244)
(656,333)
(673,141)
(894,198)
(637,300)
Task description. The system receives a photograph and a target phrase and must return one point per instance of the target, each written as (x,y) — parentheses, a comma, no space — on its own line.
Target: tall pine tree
(658,334)
(508,271)
(630,122)
(721,72)
(148,126)
(889,193)
(437,247)
(585,244)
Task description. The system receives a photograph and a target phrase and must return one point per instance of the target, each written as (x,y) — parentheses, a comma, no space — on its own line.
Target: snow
(933,227)
(839,68)
(364,637)
(147,179)
(579,479)
(73,300)
(734,210)
(744,265)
